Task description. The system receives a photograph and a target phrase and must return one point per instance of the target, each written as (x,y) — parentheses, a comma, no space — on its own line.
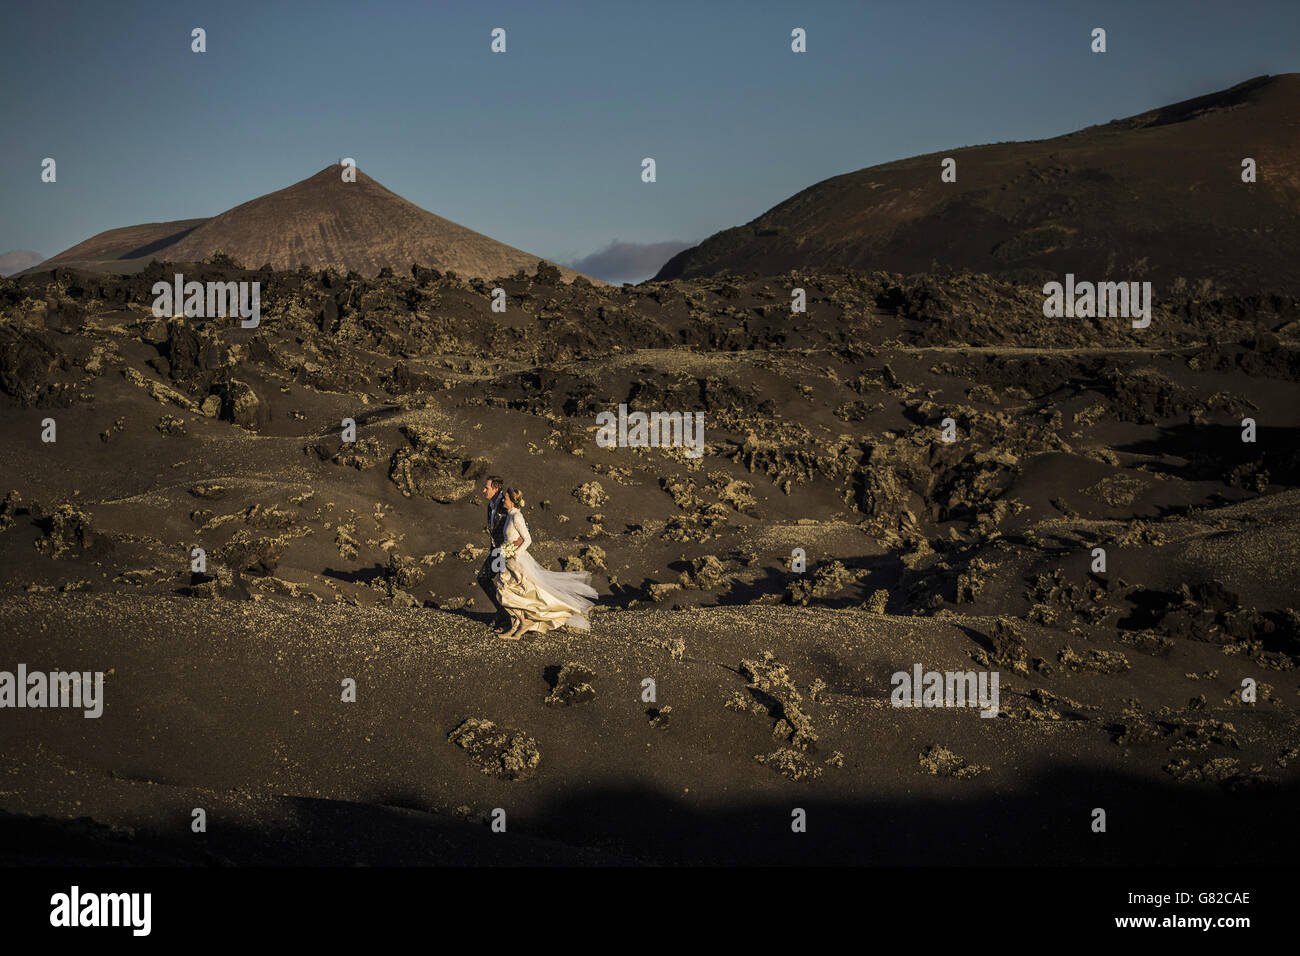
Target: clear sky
(541,147)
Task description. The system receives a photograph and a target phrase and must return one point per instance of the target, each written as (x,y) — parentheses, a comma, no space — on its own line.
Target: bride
(537,599)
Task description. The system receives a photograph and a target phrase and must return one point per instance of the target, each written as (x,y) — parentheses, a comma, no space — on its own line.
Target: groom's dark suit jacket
(496,528)
(496,523)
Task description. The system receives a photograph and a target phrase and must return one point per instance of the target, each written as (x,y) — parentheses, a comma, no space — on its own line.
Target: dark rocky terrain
(1156,197)
(330,560)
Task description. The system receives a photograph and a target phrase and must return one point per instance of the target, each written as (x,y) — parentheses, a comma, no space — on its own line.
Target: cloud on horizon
(18,260)
(621,262)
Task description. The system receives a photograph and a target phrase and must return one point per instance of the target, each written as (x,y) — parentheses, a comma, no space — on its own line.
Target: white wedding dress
(544,599)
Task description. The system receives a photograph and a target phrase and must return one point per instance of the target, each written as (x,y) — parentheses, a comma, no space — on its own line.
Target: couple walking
(527,597)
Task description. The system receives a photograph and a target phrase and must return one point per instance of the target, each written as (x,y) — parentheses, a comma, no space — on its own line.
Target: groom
(493,489)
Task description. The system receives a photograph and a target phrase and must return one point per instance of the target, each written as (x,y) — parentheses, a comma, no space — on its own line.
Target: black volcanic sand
(330,560)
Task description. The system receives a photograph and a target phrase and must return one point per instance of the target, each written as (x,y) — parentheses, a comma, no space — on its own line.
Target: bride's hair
(516,497)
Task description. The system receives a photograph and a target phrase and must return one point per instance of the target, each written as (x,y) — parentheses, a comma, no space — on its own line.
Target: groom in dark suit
(493,489)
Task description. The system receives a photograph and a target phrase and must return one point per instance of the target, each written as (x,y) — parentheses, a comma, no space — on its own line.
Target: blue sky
(541,147)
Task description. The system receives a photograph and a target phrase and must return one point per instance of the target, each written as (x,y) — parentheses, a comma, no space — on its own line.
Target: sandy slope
(241,714)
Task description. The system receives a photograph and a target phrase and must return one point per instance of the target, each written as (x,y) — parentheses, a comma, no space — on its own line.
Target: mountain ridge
(1153,196)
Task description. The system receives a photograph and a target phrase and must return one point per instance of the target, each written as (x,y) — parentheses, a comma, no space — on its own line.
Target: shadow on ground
(1048,822)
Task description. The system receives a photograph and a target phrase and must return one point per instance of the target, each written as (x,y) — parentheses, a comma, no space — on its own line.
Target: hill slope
(1155,196)
(318,222)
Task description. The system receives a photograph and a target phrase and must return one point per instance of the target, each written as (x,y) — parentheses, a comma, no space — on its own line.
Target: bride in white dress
(535,598)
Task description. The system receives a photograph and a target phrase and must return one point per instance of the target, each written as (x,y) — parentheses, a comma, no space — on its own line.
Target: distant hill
(1155,196)
(318,222)
(18,260)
